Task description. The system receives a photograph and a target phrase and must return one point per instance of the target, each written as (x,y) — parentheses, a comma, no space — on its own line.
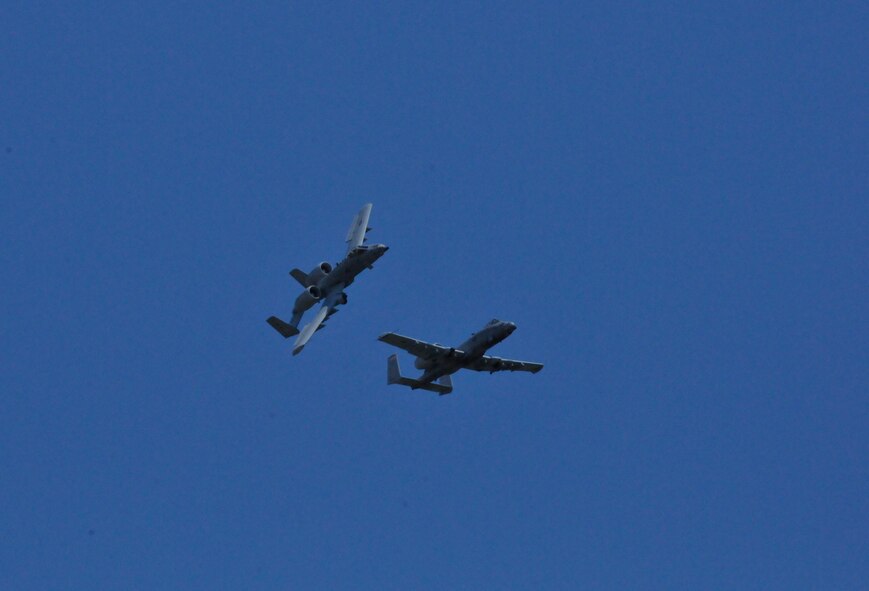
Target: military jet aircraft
(439,362)
(326,283)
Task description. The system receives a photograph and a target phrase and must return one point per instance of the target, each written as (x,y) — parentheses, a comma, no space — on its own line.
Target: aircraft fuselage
(356,261)
(465,354)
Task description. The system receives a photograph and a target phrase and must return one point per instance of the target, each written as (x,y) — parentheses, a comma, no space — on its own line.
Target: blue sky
(669,200)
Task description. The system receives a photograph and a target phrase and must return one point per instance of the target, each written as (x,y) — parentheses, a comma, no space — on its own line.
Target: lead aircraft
(326,283)
(439,362)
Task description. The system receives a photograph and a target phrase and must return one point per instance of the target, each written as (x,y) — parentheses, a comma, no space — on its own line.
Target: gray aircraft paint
(438,362)
(326,283)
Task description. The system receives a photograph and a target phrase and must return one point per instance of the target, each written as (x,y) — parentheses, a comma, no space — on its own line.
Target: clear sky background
(669,199)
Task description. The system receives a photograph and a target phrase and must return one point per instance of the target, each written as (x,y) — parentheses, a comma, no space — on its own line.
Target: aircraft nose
(511,326)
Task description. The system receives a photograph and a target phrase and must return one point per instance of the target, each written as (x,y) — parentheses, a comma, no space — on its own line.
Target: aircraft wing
(328,308)
(359,227)
(412,346)
(493,364)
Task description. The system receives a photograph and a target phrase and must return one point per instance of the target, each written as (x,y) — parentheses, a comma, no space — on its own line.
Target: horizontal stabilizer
(393,376)
(300,276)
(286,330)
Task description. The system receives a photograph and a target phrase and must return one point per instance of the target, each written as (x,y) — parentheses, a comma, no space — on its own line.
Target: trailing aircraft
(326,283)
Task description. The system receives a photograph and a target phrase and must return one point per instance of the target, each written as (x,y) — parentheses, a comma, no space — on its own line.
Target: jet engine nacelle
(318,272)
(422,363)
(308,298)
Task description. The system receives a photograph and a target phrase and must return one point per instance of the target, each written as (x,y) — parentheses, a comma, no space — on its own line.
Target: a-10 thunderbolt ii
(439,362)
(326,283)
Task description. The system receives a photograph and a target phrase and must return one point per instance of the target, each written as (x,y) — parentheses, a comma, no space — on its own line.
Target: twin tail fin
(286,330)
